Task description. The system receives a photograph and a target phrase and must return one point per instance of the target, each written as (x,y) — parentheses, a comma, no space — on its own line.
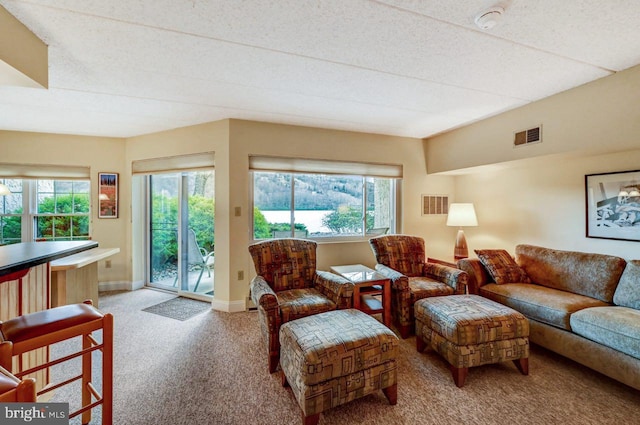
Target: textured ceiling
(401,67)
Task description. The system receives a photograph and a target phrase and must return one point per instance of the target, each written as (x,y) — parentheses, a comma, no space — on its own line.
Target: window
(322,205)
(11,213)
(174,219)
(58,209)
(62,210)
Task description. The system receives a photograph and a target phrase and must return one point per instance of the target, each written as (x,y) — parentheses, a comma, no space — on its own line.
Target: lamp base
(460,251)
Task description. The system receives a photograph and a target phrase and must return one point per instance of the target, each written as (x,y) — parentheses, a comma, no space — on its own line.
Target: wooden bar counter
(25,286)
(75,278)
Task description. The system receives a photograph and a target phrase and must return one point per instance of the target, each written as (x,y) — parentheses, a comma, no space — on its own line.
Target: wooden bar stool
(13,390)
(47,327)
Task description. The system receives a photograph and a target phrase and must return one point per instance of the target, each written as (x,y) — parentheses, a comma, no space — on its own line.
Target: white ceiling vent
(527,137)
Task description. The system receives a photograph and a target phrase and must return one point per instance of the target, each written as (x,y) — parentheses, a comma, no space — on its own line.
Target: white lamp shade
(4,190)
(462,215)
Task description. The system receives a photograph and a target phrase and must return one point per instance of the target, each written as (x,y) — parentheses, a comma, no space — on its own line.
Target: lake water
(311,219)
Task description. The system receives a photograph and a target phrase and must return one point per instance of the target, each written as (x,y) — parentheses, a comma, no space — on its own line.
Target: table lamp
(4,190)
(461,215)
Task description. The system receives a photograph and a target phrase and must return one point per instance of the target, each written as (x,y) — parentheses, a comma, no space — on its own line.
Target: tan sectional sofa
(581,305)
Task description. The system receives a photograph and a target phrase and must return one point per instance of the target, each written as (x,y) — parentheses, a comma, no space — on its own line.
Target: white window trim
(174,164)
(44,171)
(323,166)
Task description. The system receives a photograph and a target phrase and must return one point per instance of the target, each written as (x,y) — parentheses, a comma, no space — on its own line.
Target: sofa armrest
(262,294)
(336,288)
(478,275)
(455,278)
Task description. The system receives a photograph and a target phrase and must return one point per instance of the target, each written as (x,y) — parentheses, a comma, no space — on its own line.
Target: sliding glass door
(181,232)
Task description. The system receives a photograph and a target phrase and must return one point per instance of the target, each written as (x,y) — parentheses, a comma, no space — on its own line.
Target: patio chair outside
(198,257)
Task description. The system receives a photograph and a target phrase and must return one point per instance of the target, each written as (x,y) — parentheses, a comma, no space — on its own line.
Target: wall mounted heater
(526,137)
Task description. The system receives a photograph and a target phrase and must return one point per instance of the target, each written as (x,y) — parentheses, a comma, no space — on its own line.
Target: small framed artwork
(613,205)
(108,195)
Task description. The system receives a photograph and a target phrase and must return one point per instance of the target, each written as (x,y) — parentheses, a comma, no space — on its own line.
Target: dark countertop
(25,255)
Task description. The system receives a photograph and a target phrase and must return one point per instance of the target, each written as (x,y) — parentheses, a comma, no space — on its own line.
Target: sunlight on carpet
(179,308)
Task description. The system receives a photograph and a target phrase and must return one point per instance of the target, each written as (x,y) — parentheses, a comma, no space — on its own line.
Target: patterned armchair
(288,287)
(401,258)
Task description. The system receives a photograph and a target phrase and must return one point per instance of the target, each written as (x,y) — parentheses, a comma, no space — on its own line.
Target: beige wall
(256,138)
(210,137)
(541,203)
(233,141)
(535,194)
(101,155)
(528,195)
(600,117)
(16,67)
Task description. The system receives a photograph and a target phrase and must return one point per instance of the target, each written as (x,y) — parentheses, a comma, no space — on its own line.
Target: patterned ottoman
(468,330)
(331,358)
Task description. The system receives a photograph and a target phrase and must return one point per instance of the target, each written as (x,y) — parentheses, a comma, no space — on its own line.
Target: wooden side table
(451,262)
(367,285)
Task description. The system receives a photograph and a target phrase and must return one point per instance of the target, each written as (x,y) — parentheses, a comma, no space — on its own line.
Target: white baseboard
(122,285)
(114,286)
(226,306)
(229,306)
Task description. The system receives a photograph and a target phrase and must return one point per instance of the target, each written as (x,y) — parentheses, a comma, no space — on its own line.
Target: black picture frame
(107,195)
(613,205)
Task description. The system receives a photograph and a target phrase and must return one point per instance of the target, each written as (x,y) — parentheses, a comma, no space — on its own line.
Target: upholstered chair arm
(336,288)
(399,282)
(263,295)
(478,275)
(455,278)
(401,299)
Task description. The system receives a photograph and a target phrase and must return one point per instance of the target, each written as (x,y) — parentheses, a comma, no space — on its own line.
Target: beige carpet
(212,369)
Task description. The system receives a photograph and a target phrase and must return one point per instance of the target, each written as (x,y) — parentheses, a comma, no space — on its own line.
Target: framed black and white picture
(613,205)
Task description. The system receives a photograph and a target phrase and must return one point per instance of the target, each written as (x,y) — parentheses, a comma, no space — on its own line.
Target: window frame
(30,214)
(21,215)
(395,213)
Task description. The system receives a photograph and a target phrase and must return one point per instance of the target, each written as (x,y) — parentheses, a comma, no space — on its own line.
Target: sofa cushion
(615,327)
(592,275)
(628,292)
(501,266)
(546,305)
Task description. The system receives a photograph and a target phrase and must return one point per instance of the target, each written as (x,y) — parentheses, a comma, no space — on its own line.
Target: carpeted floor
(212,369)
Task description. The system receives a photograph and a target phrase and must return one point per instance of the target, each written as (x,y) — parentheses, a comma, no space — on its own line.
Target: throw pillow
(628,292)
(501,266)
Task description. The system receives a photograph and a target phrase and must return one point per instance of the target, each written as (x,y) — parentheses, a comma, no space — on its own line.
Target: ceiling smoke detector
(489,18)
